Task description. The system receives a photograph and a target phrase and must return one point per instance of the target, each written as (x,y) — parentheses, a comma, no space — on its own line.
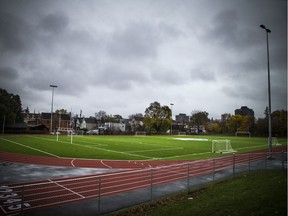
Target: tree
(279,123)
(11,107)
(198,118)
(62,111)
(101,116)
(157,118)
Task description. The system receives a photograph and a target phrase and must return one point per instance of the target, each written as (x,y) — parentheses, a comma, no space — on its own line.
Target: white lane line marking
(67,188)
(72,162)
(106,164)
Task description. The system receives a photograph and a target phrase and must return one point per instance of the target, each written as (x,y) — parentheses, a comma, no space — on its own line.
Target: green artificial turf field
(127,147)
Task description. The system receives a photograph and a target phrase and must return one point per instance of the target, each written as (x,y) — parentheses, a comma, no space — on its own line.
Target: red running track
(37,195)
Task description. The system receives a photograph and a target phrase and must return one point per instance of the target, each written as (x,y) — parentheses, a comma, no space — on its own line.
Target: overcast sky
(120,55)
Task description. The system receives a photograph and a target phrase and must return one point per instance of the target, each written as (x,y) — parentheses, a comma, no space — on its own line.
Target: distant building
(244,111)
(182,118)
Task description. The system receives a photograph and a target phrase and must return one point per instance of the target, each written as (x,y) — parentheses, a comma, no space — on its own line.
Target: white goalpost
(140,133)
(222,146)
(274,141)
(243,133)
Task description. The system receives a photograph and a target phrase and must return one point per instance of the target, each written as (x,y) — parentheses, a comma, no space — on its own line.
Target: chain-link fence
(99,194)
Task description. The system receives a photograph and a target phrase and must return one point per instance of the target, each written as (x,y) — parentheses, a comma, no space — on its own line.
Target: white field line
(92,143)
(35,149)
(186,155)
(67,188)
(163,149)
(103,149)
(252,146)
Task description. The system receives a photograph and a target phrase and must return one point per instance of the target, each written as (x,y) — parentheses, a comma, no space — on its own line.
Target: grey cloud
(165,76)
(54,23)
(8,73)
(121,77)
(202,74)
(226,30)
(15,35)
(137,40)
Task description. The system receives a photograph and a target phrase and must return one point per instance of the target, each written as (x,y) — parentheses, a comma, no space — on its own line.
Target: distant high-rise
(244,111)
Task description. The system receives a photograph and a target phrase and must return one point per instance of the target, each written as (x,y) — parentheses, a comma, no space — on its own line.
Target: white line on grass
(186,155)
(92,143)
(92,147)
(67,188)
(251,146)
(163,149)
(35,149)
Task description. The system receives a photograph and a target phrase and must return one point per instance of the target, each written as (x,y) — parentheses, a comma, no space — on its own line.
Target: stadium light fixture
(171,118)
(269,93)
(53,87)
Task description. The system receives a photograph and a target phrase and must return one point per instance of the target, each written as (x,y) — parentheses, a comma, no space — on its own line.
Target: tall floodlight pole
(171,118)
(269,93)
(52,86)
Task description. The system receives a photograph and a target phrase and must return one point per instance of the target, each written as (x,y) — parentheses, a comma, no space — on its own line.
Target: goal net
(222,146)
(243,133)
(140,133)
(75,133)
(274,141)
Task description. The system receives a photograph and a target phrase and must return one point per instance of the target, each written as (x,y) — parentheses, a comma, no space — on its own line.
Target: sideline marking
(66,188)
(92,147)
(251,146)
(186,155)
(163,149)
(31,148)
(191,139)
(106,165)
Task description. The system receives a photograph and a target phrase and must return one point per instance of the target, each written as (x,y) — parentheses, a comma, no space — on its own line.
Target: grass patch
(126,147)
(257,193)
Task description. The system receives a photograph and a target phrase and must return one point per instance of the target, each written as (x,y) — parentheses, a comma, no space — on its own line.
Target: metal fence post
(267,155)
(99,195)
(188,177)
(283,158)
(22,200)
(234,164)
(213,169)
(151,184)
(249,165)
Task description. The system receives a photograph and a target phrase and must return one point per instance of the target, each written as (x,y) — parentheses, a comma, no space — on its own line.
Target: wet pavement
(22,172)
(17,172)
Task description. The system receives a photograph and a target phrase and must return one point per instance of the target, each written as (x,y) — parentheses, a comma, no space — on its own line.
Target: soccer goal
(140,133)
(181,133)
(222,146)
(243,133)
(274,141)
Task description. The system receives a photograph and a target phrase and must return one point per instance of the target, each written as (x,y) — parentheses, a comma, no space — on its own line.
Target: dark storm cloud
(137,40)
(15,34)
(226,30)
(54,23)
(8,73)
(115,48)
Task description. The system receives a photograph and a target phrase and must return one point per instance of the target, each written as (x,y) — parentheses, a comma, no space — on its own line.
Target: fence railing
(109,192)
